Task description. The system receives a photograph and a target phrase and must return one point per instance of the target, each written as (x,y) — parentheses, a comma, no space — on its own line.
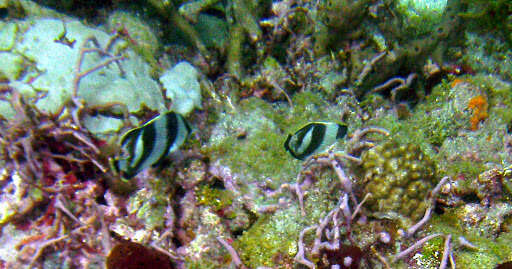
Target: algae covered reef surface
(422,178)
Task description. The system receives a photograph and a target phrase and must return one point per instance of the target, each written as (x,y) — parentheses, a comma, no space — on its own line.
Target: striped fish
(149,144)
(313,138)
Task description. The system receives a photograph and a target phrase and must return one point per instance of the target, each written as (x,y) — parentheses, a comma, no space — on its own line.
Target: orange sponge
(479,106)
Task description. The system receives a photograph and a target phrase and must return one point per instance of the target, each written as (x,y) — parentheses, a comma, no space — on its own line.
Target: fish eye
(241,134)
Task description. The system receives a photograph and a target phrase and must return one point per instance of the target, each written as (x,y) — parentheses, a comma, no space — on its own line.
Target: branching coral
(331,159)
(341,215)
(55,159)
(333,252)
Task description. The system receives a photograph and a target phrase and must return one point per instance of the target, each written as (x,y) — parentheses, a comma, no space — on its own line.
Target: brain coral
(399,177)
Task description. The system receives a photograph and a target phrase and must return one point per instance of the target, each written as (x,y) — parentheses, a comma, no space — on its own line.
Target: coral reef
(421,179)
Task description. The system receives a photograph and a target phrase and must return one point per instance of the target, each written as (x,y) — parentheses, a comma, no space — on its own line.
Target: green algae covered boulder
(422,16)
(140,35)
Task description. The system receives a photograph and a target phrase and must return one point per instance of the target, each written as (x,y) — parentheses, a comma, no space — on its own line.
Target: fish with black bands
(150,143)
(313,138)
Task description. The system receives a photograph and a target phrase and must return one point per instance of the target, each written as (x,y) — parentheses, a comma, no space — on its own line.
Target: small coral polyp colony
(399,177)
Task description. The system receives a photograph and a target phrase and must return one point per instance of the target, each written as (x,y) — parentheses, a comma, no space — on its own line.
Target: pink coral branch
(234,255)
(446,252)
(415,246)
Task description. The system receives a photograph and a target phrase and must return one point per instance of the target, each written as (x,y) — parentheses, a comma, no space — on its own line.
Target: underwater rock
(12,67)
(50,51)
(182,87)
(16,198)
(149,207)
(7,35)
(130,255)
(59,60)
(213,31)
(140,35)
(474,146)
(426,11)
(486,53)
(100,124)
(12,236)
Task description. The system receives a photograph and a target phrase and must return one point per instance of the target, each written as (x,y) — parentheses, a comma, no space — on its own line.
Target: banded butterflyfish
(150,143)
(314,138)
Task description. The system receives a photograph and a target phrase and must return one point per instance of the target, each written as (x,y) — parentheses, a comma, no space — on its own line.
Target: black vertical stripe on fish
(317,137)
(182,133)
(147,138)
(171,123)
(128,143)
(342,131)
(187,126)
(287,147)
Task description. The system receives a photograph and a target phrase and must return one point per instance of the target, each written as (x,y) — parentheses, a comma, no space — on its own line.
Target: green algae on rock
(271,241)
(250,140)
(486,229)
(139,34)
(440,125)
(259,153)
(422,15)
